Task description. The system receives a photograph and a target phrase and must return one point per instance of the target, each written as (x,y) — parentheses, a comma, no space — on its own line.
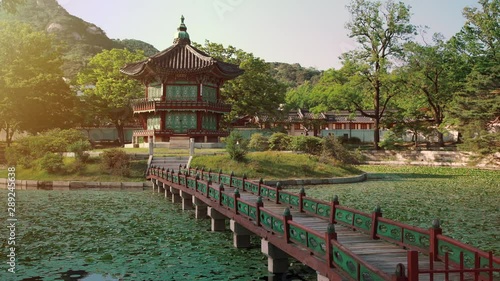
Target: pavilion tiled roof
(181,58)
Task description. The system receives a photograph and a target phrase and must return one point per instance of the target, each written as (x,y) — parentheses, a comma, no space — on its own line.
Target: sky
(309,32)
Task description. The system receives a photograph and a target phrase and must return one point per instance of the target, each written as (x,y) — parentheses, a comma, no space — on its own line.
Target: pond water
(116,235)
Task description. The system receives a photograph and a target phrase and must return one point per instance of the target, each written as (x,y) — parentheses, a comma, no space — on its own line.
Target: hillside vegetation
(275,165)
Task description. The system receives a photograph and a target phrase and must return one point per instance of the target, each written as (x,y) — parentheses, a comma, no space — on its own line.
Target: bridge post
(153,181)
(200,208)
(277,260)
(187,201)
(434,231)
(377,213)
(167,191)
(218,220)
(241,235)
(175,195)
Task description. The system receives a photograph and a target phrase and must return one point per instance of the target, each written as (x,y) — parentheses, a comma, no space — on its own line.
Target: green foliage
(275,165)
(307,144)
(258,142)
(116,162)
(279,141)
(80,147)
(479,141)
(390,140)
(333,148)
(79,40)
(236,146)
(33,94)
(107,93)
(28,150)
(137,45)
(52,163)
(293,75)
(255,91)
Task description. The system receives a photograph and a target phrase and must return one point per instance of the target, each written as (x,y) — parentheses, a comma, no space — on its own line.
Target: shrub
(389,141)
(332,147)
(116,162)
(52,163)
(354,140)
(79,147)
(258,142)
(279,141)
(307,144)
(236,146)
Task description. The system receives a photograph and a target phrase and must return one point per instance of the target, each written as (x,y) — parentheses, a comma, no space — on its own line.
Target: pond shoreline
(76,185)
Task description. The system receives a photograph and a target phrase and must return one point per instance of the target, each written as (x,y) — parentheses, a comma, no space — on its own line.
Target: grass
(91,172)
(275,165)
(169,152)
(467,201)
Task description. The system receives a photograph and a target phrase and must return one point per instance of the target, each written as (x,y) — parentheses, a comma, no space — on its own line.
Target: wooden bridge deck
(353,254)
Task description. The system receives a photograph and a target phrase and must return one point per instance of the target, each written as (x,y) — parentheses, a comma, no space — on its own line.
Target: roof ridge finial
(182,35)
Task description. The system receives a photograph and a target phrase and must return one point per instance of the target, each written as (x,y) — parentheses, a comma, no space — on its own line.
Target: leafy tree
(380,29)
(137,45)
(106,91)
(255,91)
(478,43)
(432,73)
(10,5)
(34,97)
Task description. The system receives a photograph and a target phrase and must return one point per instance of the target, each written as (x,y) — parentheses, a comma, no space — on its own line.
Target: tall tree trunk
(440,136)
(376,132)
(120,132)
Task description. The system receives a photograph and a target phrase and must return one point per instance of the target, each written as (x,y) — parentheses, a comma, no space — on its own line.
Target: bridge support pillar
(159,185)
(200,208)
(241,235)
(175,195)
(155,185)
(322,278)
(277,260)
(218,220)
(187,201)
(166,188)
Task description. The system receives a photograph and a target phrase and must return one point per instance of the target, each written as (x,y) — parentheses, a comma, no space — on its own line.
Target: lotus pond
(115,235)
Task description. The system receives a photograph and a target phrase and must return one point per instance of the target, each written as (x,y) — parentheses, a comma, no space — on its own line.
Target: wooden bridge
(338,242)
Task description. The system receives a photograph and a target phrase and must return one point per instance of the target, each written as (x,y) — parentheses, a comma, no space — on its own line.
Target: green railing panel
(243,208)
(191,183)
(309,205)
(225,179)
(323,210)
(227,201)
(266,220)
(264,191)
(252,187)
(237,182)
(416,239)
(367,275)
(294,200)
(215,178)
(252,212)
(271,194)
(175,179)
(344,216)
(315,243)
(182,180)
(212,193)
(278,225)
(202,187)
(298,235)
(284,198)
(389,231)
(345,262)
(363,222)
(454,253)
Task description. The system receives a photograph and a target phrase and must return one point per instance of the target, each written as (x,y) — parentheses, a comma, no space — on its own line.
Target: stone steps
(170,162)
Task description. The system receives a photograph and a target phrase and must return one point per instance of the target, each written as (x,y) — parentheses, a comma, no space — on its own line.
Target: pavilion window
(154,122)
(154,92)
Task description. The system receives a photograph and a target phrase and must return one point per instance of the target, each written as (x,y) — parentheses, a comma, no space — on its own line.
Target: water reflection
(77,275)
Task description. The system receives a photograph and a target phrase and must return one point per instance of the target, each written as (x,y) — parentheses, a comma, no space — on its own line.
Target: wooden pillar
(166,188)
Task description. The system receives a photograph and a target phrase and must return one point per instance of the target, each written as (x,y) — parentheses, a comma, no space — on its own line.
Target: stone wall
(74,185)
